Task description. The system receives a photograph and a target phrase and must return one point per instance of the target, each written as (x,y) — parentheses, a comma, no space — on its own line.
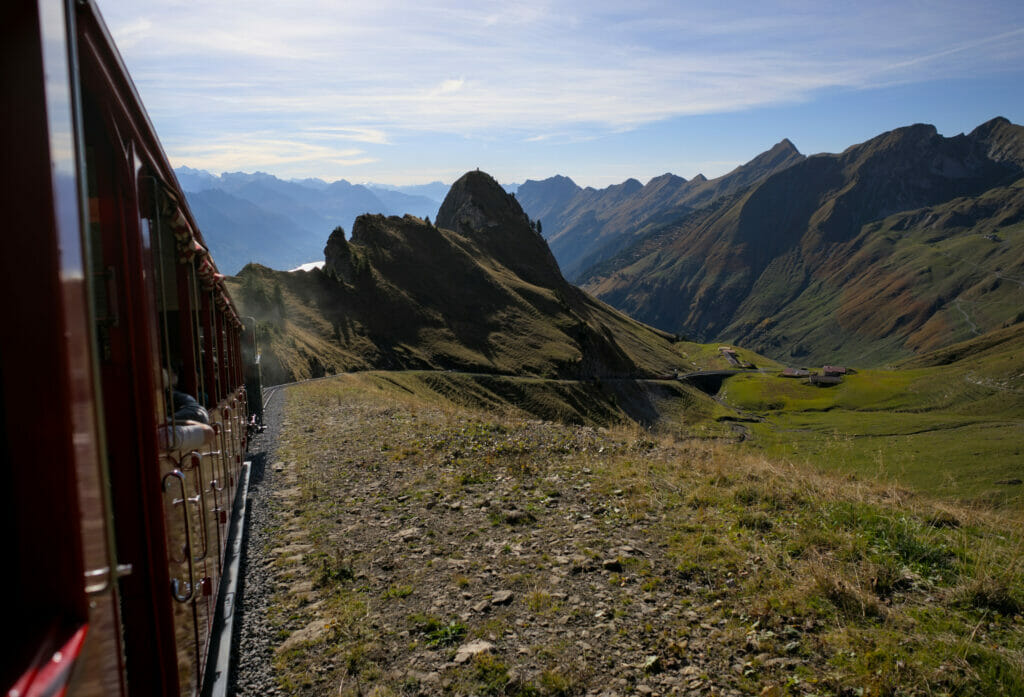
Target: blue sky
(410,92)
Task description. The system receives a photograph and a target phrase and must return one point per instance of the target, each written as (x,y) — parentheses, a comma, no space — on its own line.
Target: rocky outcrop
(478,292)
(476,203)
(479,208)
(338,256)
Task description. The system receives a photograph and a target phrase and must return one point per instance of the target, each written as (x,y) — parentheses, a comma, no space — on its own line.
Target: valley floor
(414,548)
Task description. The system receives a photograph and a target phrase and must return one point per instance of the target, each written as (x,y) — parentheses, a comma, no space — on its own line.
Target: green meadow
(954,430)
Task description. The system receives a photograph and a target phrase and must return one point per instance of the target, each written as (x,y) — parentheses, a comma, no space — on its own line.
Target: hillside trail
(418,550)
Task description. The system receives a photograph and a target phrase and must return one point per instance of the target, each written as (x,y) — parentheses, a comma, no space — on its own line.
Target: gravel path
(252,672)
(471,556)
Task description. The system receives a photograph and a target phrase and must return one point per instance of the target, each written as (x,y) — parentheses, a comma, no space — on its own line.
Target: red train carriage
(115,546)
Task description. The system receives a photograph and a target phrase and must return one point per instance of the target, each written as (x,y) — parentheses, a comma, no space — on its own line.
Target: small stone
(652,664)
(473,648)
(408,534)
(502,598)
(481,606)
(581,563)
(517,517)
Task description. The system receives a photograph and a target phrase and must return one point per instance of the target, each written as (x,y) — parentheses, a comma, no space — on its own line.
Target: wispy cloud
(260,152)
(359,135)
(367,72)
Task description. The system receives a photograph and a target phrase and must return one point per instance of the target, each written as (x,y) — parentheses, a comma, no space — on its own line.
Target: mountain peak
(631,185)
(667,179)
(991,125)
(478,208)
(779,156)
(560,179)
(1003,140)
(477,201)
(905,136)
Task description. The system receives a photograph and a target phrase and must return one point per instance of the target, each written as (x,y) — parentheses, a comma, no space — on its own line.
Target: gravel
(251,670)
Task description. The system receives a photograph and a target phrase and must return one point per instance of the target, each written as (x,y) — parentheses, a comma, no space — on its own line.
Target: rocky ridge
(479,291)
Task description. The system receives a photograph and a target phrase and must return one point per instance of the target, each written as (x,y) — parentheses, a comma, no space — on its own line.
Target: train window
(126,347)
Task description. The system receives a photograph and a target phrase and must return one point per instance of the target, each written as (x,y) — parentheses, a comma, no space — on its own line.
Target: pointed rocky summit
(479,208)
(477,202)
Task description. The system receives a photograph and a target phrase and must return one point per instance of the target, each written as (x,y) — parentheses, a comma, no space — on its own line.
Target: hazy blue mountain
(311,182)
(259,217)
(418,205)
(239,231)
(195,179)
(435,191)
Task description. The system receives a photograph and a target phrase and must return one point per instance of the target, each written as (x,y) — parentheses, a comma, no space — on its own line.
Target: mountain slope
(480,292)
(817,262)
(586,226)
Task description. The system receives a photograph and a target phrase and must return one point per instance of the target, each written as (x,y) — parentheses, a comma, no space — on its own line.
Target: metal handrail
(217,483)
(199,500)
(175,583)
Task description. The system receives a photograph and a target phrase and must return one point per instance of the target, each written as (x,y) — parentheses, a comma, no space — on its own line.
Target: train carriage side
(118,529)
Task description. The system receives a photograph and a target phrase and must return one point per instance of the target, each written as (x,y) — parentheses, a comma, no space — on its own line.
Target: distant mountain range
(282,224)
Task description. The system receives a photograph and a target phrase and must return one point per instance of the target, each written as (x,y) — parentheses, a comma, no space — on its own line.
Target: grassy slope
(950,423)
(594,403)
(908,284)
(741,573)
